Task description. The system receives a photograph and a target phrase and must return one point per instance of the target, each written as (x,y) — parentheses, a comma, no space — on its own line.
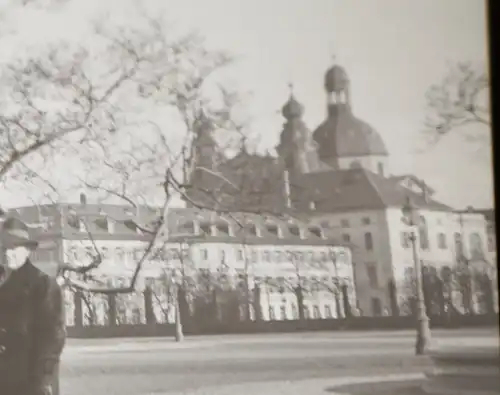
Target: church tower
(204,155)
(296,148)
(345,141)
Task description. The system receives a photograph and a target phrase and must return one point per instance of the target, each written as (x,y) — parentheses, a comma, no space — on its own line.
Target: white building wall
(357,224)
(120,259)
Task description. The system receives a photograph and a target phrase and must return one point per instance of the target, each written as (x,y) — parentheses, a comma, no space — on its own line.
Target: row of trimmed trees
(460,290)
(206,297)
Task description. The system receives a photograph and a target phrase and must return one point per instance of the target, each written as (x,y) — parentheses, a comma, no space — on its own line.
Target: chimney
(83,199)
(286,176)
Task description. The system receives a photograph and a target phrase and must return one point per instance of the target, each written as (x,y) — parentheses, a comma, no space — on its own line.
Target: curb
(131,347)
(307,386)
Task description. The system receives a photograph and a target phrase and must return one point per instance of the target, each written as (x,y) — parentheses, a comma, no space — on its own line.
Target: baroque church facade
(337,177)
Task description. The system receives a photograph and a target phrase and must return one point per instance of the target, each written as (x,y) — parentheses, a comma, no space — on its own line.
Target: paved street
(239,364)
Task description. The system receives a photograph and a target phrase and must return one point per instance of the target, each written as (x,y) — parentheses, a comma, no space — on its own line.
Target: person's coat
(32,332)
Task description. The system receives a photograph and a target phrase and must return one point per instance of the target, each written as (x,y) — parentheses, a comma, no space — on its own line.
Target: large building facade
(338,177)
(258,267)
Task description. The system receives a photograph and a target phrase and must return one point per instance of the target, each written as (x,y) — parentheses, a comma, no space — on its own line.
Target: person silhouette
(32,322)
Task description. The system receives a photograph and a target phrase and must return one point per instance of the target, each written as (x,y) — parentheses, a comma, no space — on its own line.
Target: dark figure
(32,325)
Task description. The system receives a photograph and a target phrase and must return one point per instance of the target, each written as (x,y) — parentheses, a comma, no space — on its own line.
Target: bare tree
(461,99)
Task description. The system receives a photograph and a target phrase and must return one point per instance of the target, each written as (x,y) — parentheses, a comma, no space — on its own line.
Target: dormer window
(223,229)
(316,231)
(205,229)
(187,227)
(129,223)
(294,230)
(274,230)
(102,223)
(252,230)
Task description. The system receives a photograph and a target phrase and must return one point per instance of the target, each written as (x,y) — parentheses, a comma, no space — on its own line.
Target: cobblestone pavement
(260,364)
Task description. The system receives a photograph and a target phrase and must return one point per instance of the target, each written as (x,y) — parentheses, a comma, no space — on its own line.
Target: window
(368,241)
(307,313)
(366,221)
(442,241)
(102,223)
(309,256)
(280,282)
(254,256)
(278,256)
(476,246)
(205,229)
(251,229)
(295,312)
(316,312)
(423,234)
(283,312)
(266,256)
(104,252)
(187,227)
(74,221)
(222,255)
(344,223)
(324,256)
(294,230)
(316,231)
(204,254)
(328,311)
(240,254)
(222,229)
(273,229)
(405,240)
(346,238)
(371,271)
(315,285)
(376,307)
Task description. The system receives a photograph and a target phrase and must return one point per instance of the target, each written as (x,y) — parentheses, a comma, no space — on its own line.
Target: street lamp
(410,218)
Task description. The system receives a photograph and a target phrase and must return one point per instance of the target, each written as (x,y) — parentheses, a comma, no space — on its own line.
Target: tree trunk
(257,307)
(112,309)
(299,293)
(148,306)
(393,298)
(78,313)
(347,305)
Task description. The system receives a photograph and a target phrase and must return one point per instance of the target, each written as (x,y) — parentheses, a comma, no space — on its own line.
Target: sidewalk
(309,387)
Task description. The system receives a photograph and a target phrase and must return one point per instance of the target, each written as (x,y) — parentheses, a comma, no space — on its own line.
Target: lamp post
(410,218)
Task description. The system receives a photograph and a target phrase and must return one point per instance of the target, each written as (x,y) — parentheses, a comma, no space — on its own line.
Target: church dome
(344,135)
(336,79)
(292,109)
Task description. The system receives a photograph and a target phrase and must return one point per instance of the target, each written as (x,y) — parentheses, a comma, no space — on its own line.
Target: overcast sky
(393,50)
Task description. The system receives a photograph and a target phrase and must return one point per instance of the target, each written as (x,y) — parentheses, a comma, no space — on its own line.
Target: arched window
(423,233)
(476,246)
